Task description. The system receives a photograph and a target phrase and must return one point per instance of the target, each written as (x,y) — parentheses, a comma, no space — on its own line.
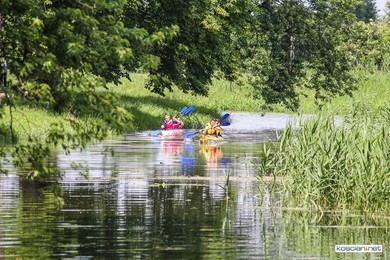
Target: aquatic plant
(326,165)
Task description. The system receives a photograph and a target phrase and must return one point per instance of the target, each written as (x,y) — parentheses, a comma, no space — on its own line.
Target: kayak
(210,139)
(172,133)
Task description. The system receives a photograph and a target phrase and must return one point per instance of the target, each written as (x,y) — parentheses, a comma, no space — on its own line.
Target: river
(144,197)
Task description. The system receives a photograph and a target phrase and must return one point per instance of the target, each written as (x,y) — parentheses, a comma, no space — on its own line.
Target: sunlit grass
(27,121)
(373,90)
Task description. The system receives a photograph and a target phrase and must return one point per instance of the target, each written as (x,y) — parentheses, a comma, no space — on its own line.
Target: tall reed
(329,166)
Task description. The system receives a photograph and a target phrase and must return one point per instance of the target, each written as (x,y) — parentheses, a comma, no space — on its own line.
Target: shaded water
(143,197)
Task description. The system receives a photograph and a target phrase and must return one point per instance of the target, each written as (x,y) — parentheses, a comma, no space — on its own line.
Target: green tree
(60,56)
(369,45)
(51,45)
(366,11)
(203,45)
(300,44)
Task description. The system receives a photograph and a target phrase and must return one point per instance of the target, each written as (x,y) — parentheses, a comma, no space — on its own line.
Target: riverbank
(148,108)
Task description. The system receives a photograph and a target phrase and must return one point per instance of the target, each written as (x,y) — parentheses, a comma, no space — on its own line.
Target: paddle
(191,109)
(188,110)
(225,117)
(182,110)
(190,134)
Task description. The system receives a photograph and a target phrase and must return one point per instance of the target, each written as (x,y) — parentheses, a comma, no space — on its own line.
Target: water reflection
(304,230)
(212,153)
(187,165)
(146,197)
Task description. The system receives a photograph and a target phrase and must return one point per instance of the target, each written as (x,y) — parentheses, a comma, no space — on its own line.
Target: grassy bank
(148,108)
(373,91)
(29,120)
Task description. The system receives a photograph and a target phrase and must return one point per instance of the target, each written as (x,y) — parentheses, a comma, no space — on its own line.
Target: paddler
(168,123)
(211,128)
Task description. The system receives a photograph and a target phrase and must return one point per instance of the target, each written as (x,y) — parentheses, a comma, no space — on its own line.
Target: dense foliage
(366,11)
(301,44)
(203,45)
(60,54)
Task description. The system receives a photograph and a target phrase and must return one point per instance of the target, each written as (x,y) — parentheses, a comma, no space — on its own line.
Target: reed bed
(330,166)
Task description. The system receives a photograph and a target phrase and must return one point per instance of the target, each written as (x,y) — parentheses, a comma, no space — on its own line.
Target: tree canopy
(203,44)
(60,54)
(56,49)
(366,11)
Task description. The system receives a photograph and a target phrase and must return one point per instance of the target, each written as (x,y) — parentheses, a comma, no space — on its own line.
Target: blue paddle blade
(226,123)
(190,134)
(225,117)
(155,133)
(190,109)
(183,110)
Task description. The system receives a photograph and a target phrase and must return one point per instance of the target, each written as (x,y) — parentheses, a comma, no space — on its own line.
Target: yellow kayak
(210,138)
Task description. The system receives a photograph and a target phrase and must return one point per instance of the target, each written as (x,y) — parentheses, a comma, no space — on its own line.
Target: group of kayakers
(213,128)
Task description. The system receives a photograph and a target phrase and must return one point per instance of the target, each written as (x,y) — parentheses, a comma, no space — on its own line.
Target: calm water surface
(143,197)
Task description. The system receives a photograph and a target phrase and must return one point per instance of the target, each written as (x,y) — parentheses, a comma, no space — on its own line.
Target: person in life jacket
(177,120)
(175,123)
(211,128)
